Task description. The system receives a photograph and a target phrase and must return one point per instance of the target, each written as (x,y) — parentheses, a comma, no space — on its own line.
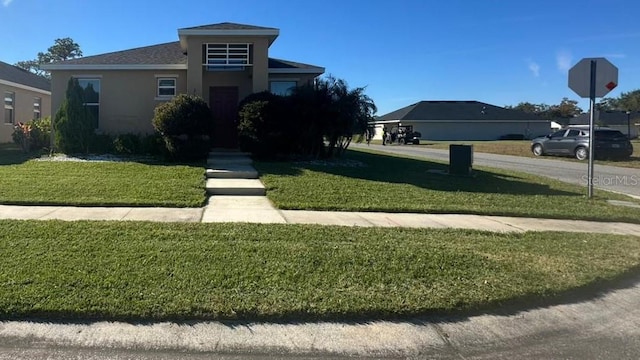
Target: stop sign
(580,77)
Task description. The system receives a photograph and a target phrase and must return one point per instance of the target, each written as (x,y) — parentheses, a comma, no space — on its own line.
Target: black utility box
(460,159)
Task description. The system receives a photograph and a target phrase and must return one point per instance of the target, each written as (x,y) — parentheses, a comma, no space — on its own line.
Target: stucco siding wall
(22,107)
(127,98)
(477,131)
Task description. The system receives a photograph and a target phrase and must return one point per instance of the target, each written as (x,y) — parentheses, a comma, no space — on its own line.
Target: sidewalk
(259,210)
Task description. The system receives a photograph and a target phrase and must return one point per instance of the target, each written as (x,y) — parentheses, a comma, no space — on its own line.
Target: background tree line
(567,109)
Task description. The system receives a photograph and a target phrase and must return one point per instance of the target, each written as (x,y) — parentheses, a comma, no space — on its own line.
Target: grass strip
(30,182)
(362,181)
(148,271)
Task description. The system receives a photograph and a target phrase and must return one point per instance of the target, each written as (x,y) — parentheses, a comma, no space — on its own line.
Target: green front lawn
(156,271)
(364,181)
(30,182)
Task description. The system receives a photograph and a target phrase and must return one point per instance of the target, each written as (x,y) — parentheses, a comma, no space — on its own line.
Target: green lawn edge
(369,180)
(140,271)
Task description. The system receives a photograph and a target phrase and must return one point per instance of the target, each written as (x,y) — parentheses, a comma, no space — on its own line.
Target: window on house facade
(283,88)
(37,103)
(9,105)
(226,57)
(166,87)
(91,97)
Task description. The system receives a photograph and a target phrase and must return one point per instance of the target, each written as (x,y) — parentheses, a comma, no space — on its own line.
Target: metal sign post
(592,77)
(592,105)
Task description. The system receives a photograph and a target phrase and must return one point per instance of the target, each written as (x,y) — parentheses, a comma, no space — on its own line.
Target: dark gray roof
(228,26)
(286,64)
(162,54)
(606,118)
(20,76)
(457,110)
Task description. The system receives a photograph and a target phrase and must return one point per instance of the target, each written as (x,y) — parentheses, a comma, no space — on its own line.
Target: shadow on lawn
(509,307)
(421,173)
(11,154)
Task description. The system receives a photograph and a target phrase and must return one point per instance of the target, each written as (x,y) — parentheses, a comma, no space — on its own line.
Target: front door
(223,101)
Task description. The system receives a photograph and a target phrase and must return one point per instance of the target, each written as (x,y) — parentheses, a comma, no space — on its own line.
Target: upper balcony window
(226,57)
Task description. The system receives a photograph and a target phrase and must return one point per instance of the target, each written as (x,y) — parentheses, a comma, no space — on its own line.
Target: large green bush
(74,124)
(264,126)
(185,125)
(316,120)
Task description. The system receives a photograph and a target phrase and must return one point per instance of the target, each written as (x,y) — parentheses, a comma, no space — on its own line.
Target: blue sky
(497,51)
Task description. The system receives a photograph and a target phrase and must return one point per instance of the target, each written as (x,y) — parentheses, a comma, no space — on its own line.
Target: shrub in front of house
(74,124)
(34,135)
(185,125)
(264,128)
(102,144)
(129,144)
(316,120)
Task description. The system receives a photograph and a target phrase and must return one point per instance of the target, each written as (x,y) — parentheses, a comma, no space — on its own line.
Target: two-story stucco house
(26,96)
(222,63)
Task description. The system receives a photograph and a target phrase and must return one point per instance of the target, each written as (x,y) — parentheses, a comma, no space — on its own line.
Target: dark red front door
(223,101)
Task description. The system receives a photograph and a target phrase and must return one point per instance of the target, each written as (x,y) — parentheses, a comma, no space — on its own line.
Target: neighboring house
(555,125)
(463,120)
(619,120)
(26,96)
(222,63)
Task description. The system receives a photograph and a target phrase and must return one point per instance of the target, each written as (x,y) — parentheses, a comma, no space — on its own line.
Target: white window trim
(174,87)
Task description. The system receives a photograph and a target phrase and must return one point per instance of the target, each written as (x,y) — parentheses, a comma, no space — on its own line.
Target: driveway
(612,178)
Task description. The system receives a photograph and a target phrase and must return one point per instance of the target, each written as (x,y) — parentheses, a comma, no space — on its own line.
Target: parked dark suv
(608,143)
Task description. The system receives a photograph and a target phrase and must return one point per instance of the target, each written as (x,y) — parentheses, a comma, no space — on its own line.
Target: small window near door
(166,87)
(37,103)
(9,114)
(282,88)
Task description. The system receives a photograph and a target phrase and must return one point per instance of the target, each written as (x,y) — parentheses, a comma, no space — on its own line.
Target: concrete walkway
(259,210)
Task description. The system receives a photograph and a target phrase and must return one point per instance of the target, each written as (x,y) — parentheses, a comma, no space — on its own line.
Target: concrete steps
(238,187)
(232,172)
(236,192)
(217,161)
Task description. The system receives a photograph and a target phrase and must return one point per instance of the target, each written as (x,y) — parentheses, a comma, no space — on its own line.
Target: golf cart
(406,135)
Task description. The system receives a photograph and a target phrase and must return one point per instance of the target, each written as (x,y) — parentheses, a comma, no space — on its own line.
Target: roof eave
(24,87)
(271,34)
(312,70)
(55,67)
